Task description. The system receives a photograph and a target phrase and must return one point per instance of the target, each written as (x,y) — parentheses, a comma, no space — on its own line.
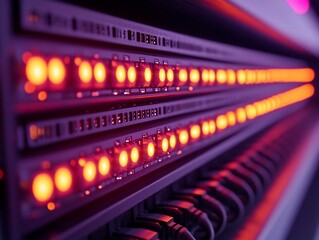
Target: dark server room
(159,119)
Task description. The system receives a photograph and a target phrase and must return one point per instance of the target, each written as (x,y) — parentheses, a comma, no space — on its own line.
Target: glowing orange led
(120,74)
(170,76)
(212,76)
(205,128)
(42,187)
(123,158)
(231,76)
(212,126)
(231,117)
(99,72)
(150,149)
(131,74)
(241,115)
(135,154)
(221,76)
(165,144)
(241,76)
(51,206)
(63,179)
(104,165)
(172,141)
(89,171)
(250,111)
(194,76)
(161,75)
(85,72)
(36,70)
(195,131)
(147,75)
(205,76)
(56,71)
(182,76)
(221,122)
(183,137)
(42,96)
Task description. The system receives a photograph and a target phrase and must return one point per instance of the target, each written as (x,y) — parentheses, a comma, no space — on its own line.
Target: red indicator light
(148,148)
(147,76)
(250,111)
(85,72)
(162,143)
(42,187)
(135,154)
(56,71)
(36,70)
(212,126)
(51,206)
(63,179)
(131,76)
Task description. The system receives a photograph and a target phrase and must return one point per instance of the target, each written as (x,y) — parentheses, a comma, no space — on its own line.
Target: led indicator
(89,171)
(56,71)
(205,76)
(250,111)
(165,145)
(211,76)
(170,76)
(63,179)
(212,126)
(147,75)
(231,77)
(221,76)
(104,165)
(241,115)
(183,137)
(85,72)
(195,131)
(135,154)
(241,76)
(194,76)
(120,74)
(36,70)
(42,187)
(231,117)
(123,158)
(150,149)
(99,72)
(182,75)
(131,74)
(172,141)
(205,128)
(221,122)
(161,75)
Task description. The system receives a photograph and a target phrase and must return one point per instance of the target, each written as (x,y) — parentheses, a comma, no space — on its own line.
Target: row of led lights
(85,172)
(53,72)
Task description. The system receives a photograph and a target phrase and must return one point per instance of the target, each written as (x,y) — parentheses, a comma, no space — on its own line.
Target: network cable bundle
(114,129)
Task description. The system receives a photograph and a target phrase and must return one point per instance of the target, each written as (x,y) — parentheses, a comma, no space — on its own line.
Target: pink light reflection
(299,6)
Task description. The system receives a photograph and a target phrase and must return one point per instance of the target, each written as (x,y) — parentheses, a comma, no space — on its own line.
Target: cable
(191,216)
(234,206)
(236,184)
(214,209)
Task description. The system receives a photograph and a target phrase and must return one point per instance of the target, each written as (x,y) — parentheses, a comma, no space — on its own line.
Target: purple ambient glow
(299,6)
